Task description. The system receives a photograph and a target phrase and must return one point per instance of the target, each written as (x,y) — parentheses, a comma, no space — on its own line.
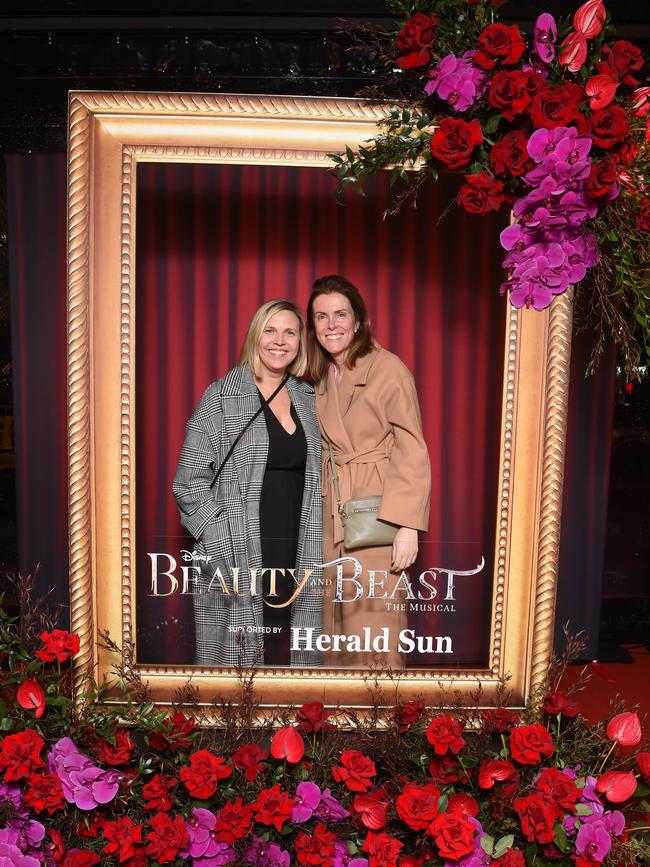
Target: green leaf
(442,803)
(352,847)
(530,854)
(6,724)
(491,124)
(487,844)
(561,840)
(406,116)
(583,810)
(502,845)
(641,789)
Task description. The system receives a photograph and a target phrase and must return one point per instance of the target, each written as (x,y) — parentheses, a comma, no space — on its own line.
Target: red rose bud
(589,18)
(288,744)
(625,729)
(601,90)
(30,695)
(557,702)
(573,51)
(643,764)
(617,786)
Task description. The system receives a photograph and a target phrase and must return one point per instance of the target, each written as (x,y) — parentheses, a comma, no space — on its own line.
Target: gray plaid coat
(224,519)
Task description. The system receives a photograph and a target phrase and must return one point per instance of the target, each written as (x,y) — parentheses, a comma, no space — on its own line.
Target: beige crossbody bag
(361,526)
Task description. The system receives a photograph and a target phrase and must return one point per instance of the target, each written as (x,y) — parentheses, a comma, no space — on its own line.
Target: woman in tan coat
(368,411)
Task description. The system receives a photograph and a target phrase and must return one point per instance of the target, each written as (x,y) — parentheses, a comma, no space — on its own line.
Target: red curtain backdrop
(216,241)
(213,243)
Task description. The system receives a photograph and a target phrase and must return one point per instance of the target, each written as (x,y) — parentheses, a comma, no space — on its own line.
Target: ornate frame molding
(108,134)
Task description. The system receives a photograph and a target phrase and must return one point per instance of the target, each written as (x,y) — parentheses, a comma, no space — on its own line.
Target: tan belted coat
(372,419)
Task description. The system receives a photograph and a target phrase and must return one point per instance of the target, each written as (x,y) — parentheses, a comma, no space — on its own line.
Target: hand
(405,549)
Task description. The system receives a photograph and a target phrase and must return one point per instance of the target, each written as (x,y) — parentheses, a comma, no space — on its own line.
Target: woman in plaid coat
(232,617)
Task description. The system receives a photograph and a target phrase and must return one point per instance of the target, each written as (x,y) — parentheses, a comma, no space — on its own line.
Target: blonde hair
(250,353)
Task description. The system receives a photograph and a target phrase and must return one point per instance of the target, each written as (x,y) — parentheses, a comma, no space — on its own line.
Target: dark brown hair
(362,342)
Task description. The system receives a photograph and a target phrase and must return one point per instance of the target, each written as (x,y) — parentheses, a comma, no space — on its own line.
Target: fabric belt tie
(342,460)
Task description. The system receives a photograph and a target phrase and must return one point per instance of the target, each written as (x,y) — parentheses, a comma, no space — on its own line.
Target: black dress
(280,506)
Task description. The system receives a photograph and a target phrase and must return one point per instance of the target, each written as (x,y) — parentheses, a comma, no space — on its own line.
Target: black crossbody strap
(245,428)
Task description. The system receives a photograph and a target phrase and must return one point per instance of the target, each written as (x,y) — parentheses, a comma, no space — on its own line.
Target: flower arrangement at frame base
(408,787)
(557,127)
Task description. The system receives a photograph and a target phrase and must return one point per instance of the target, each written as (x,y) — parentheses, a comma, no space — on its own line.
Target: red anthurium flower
(601,90)
(372,808)
(288,744)
(589,18)
(643,764)
(641,101)
(618,786)
(573,51)
(625,729)
(463,805)
(31,696)
(494,771)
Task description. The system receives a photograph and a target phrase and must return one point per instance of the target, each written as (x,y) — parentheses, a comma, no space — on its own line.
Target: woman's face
(279,342)
(335,324)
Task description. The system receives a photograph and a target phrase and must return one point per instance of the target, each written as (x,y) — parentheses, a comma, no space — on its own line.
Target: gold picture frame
(109,133)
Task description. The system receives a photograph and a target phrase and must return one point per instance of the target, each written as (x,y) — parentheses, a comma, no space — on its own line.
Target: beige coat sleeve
(407,485)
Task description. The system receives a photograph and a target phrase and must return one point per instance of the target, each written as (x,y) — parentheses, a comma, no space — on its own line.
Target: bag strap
(263,403)
(335,480)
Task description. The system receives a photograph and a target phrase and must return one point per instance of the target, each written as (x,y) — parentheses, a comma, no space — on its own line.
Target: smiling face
(279,342)
(334,324)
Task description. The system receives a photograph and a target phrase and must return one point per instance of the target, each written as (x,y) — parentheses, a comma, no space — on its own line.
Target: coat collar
(358,376)
(240,381)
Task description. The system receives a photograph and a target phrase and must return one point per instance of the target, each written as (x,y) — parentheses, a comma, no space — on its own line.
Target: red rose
(600,184)
(454,140)
(21,754)
(618,786)
(558,788)
(57,644)
(445,769)
(92,829)
(556,702)
(537,817)
(509,93)
(623,58)
(313,718)
(481,193)
(316,848)
(157,793)
(643,764)
(454,835)
(499,44)
(372,809)
(44,792)
(288,744)
(31,696)
(494,771)
(500,719)
(609,126)
(625,729)
(417,806)
(463,805)
(383,849)
(233,821)
(444,733)
(202,777)
(512,858)
(273,807)
(167,837)
(529,743)
(176,734)
(122,836)
(248,759)
(408,714)
(556,106)
(355,770)
(79,858)
(415,40)
(118,753)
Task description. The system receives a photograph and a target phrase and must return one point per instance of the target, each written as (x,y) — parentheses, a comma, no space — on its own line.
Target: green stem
(638,828)
(471,784)
(611,750)
(506,752)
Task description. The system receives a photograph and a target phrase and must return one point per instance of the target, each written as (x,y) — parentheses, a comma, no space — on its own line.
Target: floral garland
(473,788)
(557,127)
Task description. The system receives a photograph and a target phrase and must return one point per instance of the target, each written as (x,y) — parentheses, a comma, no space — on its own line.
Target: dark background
(49,48)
